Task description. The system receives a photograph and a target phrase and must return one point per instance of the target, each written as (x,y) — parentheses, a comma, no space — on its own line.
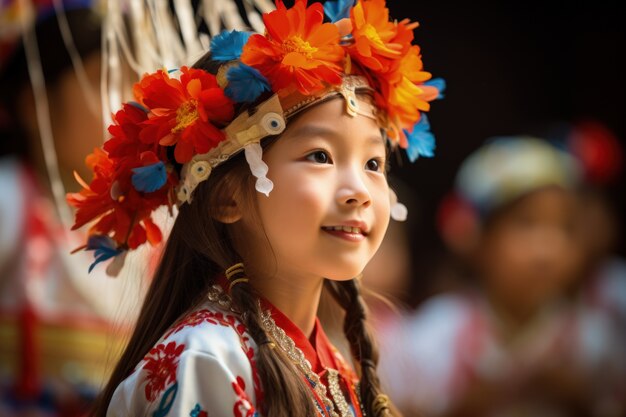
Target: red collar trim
(317,349)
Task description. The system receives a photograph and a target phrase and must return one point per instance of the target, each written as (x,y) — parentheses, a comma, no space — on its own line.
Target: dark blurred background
(511,68)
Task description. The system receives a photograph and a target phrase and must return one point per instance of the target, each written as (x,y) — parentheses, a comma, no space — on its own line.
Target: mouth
(346,232)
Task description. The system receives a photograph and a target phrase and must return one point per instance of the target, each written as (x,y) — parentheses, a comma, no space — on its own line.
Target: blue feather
(227,46)
(104,248)
(139,106)
(421,140)
(245,84)
(439,84)
(149,178)
(337,10)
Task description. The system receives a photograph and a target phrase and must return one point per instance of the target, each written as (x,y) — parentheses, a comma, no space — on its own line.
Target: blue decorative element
(167,400)
(227,46)
(105,248)
(196,411)
(138,105)
(421,140)
(149,178)
(338,9)
(439,84)
(245,84)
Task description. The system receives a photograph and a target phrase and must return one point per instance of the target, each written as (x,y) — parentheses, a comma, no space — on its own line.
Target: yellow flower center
(297,44)
(186,114)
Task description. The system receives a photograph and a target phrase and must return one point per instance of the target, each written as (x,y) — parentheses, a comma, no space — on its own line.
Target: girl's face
(329,208)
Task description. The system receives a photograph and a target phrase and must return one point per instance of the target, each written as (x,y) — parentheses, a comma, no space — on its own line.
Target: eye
(319,157)
(374,164)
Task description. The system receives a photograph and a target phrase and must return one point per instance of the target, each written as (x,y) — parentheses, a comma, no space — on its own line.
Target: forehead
(551,203)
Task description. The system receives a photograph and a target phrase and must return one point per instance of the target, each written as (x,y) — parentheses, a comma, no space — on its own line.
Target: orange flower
(378,43)
(94,199)
(404,94)
(298,50)
(186,113)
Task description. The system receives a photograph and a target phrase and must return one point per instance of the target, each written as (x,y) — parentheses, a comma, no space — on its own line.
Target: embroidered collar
(314,357)
(317,349)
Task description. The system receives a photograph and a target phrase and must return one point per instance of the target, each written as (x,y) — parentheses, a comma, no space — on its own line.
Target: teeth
(346,229)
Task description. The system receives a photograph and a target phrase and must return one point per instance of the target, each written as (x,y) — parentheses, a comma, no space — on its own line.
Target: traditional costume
(183,124)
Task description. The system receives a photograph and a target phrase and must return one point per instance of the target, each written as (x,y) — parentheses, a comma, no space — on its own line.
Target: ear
(227,205)
(227,211)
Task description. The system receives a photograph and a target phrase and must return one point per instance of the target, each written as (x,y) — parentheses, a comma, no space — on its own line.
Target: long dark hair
(198,250)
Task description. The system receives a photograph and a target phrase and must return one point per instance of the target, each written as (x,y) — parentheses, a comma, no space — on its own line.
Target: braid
(362,346)
(285,393)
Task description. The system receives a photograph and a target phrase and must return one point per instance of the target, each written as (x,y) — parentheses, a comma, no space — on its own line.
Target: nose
(352,190)
(548,249)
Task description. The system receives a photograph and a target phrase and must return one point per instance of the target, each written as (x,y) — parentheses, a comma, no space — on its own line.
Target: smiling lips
(350,233)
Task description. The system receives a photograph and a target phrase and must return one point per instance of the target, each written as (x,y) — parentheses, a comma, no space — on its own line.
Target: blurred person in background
(58,325)
(603,278)
(518,341)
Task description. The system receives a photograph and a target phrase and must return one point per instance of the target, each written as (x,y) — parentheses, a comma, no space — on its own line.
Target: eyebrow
(313,130)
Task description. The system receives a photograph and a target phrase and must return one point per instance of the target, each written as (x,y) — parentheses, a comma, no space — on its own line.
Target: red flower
(187,113)
(298,49)
(125,131)
(161,365)
(119,209)
(598,150)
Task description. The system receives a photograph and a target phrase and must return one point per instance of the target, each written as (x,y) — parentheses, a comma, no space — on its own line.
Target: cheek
(379,192)
(382,210)
(297,203)
(503,253)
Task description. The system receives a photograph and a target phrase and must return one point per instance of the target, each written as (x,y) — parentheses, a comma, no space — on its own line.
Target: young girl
(229,324)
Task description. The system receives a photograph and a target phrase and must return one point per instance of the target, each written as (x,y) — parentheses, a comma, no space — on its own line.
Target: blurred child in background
(517,342)
(57,323)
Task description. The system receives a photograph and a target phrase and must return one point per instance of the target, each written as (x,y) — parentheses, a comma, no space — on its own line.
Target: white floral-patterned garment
(205,366)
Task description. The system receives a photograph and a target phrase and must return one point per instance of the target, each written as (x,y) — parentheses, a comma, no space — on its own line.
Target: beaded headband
(187,117)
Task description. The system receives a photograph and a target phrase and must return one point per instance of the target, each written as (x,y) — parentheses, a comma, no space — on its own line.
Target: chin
(344,274)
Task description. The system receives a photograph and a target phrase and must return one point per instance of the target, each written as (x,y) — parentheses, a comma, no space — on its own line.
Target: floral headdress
(187,117)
